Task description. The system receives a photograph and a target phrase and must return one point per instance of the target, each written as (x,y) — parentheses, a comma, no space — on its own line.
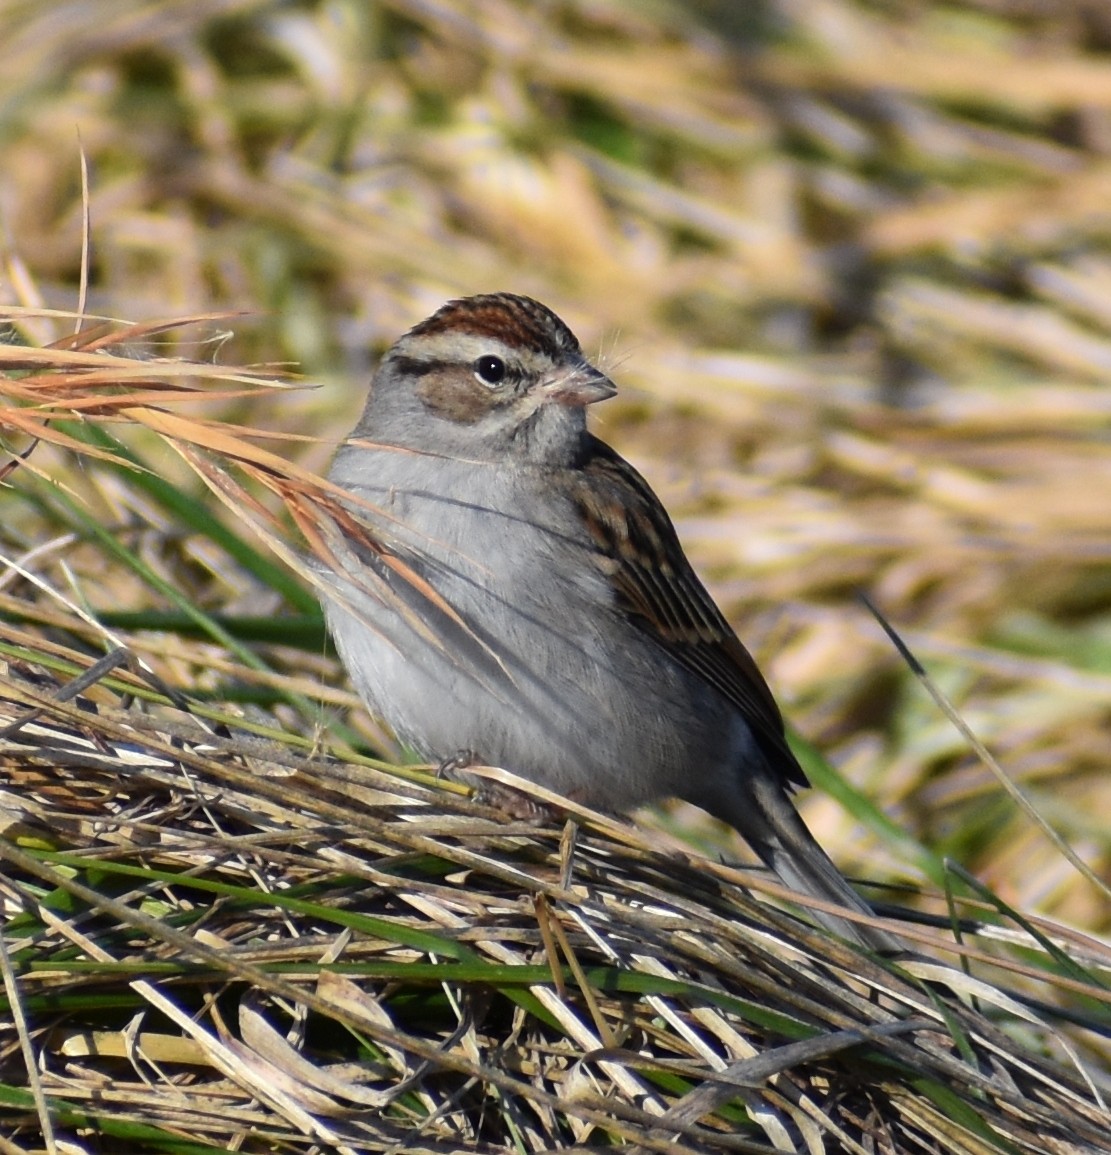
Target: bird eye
(490,370)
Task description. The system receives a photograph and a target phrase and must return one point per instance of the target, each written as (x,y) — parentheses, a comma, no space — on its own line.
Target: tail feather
(765,817)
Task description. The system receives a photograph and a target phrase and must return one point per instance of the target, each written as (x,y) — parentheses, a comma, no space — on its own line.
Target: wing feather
(639,550)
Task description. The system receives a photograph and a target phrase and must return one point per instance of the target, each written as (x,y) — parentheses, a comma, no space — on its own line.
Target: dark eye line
(419,367)
(416,366)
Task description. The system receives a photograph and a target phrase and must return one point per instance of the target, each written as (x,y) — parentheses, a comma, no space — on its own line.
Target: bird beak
(580,385)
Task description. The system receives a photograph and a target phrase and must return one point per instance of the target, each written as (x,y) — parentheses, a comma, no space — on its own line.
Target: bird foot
(496,795)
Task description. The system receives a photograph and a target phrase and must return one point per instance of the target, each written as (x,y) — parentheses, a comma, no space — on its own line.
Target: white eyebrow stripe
(456,348)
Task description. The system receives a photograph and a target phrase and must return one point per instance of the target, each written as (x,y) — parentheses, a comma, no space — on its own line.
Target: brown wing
(639,550)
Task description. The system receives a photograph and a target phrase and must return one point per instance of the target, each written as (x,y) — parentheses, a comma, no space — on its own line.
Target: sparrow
(504,583)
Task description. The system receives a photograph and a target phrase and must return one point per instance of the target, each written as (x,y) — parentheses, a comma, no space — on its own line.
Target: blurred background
(849,261)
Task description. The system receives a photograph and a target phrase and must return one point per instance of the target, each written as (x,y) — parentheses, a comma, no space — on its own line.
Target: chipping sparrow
(526,597)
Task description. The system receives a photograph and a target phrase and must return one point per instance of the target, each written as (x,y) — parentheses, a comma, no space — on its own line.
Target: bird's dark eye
(490,370)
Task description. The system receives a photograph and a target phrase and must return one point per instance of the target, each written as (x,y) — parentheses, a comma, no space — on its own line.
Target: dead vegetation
(848,262)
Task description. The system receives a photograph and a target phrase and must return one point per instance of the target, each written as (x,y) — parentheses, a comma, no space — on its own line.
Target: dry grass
(226,939)
(849,263)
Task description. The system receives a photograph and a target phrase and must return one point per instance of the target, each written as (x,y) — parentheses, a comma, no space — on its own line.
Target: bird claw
(451,767)
(496,795)
(514,803)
